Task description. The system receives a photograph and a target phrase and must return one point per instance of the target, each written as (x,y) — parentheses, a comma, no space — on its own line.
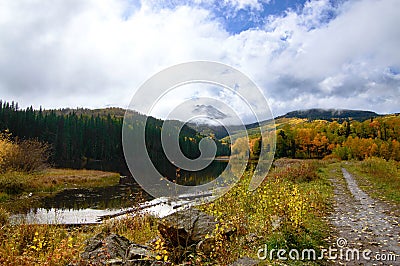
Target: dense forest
(83,134)
(331,114)
(351,139)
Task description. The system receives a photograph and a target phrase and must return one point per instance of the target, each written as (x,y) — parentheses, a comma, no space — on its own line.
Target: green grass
(380,178)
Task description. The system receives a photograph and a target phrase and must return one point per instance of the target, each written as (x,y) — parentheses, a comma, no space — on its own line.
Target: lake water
(85,205)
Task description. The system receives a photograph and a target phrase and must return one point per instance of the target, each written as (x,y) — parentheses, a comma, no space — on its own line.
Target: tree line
(76,135)
(350,139)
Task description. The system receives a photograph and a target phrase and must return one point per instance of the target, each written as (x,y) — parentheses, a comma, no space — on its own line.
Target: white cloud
(96,53)
(93,53)
(329,84)
(349,52)
(242,4)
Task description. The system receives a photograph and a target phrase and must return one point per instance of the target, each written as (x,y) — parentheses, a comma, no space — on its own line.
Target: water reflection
(126,194)
(85,205)
(112,197)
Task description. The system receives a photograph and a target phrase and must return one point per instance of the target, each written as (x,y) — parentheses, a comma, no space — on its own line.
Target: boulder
(101,249)
(116,250)
(187,228)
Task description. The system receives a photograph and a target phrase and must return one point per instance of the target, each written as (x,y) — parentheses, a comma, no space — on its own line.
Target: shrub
(297,170)
(24,155)
(342,152)
(32,156)
(285,211)
(7,150)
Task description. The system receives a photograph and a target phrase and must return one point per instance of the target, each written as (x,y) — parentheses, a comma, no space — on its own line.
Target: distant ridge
(331,114)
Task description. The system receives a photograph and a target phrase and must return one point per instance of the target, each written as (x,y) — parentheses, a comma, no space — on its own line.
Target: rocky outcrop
(184,232)
(116,250)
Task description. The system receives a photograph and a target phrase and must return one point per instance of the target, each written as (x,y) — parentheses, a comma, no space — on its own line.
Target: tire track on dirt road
(362,224)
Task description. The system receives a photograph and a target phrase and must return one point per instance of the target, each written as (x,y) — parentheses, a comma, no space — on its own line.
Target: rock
(99,248)
(116,250)
(245,261)
(186,228)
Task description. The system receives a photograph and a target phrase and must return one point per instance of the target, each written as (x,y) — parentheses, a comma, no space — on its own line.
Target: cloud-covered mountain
(209,110)
(329,114)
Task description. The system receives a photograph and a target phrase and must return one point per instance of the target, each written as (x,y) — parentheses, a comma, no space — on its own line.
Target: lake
(85,205)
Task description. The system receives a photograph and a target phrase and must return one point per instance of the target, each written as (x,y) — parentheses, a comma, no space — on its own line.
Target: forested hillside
(88,134)
(331,114)
(306,137)
(298,138)
(81,134)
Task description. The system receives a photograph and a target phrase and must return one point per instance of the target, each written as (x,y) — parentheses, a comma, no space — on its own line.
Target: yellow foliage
(7,149)
(159,247)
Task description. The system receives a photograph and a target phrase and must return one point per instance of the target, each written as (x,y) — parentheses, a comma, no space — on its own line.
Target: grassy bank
(16,186)
(287,211)
(49,244)
(56,245)
(53,180)
(380,178)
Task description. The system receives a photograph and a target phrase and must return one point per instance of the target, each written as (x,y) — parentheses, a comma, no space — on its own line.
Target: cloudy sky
(302,54)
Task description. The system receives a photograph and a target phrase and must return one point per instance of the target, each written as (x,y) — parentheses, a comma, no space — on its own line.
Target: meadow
(287,211)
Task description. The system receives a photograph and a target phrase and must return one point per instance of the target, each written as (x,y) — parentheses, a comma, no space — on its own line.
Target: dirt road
(366,231)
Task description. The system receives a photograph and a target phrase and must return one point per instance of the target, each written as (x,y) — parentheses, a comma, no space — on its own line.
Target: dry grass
(140,229)
(56,245)
(15,186)
(74,178)
(286,211)
(54,180)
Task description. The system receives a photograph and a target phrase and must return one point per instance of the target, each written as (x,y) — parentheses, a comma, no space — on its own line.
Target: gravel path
(362,224)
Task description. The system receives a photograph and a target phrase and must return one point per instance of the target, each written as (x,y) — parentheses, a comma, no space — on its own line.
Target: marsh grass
(52,180)
(4,216)
(57,179)
(16,186)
